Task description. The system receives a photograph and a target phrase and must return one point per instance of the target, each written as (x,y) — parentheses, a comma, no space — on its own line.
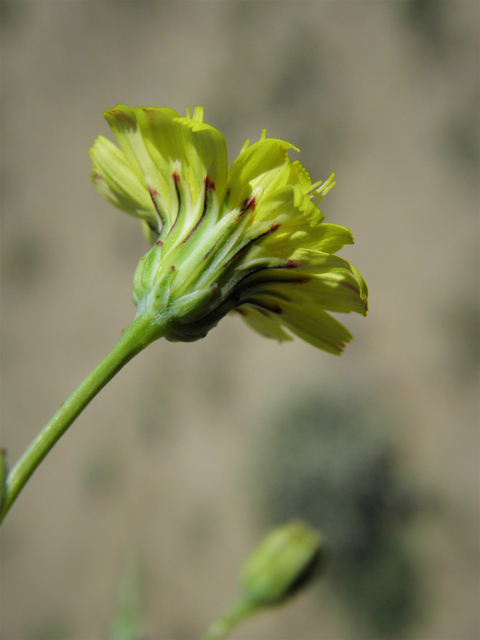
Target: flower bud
(285,562)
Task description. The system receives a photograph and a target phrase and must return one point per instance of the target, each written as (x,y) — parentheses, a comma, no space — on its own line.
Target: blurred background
(195,451)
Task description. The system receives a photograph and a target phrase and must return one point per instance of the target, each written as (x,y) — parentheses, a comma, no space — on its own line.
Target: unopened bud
(285,562)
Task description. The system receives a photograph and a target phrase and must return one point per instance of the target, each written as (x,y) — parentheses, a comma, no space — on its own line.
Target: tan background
(167,460)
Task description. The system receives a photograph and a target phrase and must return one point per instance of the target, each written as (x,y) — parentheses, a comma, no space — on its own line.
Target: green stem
(143,330)
(227,622)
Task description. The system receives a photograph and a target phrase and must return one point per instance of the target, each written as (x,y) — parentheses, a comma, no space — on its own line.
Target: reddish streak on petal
(209,184)
(249,203)
(247,244)
(122,117)
(150,113)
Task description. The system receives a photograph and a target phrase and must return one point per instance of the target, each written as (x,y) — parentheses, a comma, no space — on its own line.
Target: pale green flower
(249,238)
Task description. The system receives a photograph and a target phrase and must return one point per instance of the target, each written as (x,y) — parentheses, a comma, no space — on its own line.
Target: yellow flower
(249,238)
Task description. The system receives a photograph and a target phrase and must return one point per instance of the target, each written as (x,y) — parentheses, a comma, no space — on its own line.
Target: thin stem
(226,623)
(134,339)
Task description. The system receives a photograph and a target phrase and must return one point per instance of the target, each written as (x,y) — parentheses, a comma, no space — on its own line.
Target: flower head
(248,238)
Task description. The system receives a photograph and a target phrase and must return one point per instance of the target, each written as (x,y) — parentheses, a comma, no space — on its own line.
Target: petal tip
(124,116)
